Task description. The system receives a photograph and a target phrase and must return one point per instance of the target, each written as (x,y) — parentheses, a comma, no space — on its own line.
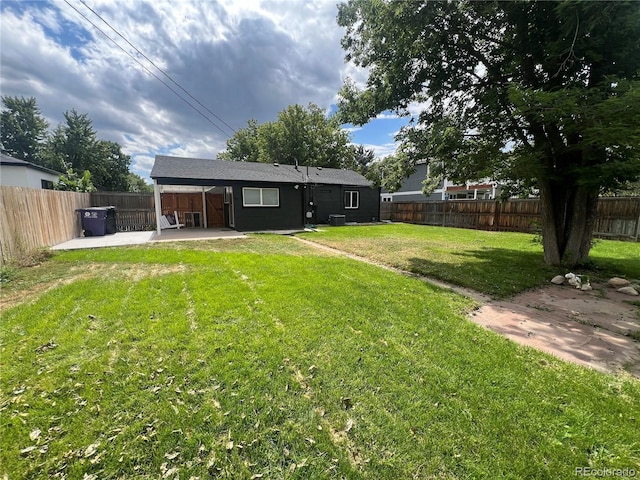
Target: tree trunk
(568,217)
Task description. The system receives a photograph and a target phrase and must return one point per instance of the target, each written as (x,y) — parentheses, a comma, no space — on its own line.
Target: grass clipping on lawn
(242,360)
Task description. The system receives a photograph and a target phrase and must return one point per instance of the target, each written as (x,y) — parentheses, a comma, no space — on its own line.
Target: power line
(147,70)
(152,63)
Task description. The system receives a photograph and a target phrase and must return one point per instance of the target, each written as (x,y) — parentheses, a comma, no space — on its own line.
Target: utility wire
(152,63)
(147,70)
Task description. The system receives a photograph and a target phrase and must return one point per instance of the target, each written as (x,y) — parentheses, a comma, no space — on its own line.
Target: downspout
(157,200)
(303,193)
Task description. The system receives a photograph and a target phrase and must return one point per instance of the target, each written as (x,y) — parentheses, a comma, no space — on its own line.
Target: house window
(260,197)
(46,184)
(351,199)
(387,198)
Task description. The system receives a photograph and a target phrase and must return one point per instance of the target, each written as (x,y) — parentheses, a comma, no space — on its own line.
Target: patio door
(215,210)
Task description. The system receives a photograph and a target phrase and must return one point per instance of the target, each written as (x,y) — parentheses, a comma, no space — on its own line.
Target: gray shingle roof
(205,169)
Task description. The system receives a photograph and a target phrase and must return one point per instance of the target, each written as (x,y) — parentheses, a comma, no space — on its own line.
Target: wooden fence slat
(134,211)
(618,217)
(32,218)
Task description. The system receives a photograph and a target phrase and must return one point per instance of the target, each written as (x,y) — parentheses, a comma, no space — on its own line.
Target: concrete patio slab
(186,234)
(138,238)
(113,240)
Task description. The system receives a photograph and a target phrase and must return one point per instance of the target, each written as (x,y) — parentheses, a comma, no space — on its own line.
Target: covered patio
(194,207)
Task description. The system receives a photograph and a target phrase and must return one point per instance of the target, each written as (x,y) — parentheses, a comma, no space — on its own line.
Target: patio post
(204,207)
(157,200)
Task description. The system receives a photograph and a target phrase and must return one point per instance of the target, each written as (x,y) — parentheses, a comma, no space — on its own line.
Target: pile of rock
(623,285)
(579,281)
(582,282)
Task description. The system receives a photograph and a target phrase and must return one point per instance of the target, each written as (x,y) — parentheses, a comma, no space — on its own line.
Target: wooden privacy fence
(135,212)
(618,217)
(32,218)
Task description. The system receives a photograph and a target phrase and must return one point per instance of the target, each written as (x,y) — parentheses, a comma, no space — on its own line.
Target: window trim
(349,194)
(261,204)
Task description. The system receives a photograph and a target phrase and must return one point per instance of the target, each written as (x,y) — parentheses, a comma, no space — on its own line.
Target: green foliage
(629,189)
(135,183)
(363,159)
(73,144)
(299,135)
(7,273)
(72,182)
(243,146)
(390,172)
(111,171)
(534,94)
(430,183)
(23,130)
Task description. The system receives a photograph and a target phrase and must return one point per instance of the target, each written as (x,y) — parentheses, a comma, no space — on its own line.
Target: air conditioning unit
(337,220)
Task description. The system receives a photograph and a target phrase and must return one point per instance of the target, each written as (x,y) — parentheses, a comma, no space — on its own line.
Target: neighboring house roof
(221,170)
(7,160)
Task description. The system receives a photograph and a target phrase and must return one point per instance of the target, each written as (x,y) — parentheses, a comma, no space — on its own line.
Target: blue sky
(240,59)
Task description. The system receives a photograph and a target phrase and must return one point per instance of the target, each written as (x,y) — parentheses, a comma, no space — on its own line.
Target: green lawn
(496,263)
(265,358)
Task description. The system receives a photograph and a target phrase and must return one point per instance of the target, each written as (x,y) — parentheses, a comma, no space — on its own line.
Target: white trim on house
(261,191)
(412,192)
(349,205)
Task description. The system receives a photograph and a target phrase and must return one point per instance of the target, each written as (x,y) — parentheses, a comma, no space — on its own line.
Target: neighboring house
(250,196)
(411,189)
(19,173)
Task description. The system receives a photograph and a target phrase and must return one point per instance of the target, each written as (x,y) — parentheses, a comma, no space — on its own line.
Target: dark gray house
(251,196)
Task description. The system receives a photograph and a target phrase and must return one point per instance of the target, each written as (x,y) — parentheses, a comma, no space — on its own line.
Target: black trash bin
(98,221)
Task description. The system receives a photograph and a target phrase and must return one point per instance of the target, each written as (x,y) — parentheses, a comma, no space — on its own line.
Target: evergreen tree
(75,145)
(23,130)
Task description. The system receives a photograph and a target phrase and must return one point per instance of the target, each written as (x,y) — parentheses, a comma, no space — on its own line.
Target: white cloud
(383,150)
(241,59)
(142,164)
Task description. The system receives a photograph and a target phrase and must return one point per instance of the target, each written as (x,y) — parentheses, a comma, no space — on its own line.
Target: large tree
(23,129)
(75,145)
(112,170)
(537,94)
(306,136)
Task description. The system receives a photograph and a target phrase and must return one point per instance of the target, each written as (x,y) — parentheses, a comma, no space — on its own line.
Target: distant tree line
(72,148)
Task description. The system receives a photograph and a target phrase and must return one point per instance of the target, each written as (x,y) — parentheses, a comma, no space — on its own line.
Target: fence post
(496,216)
